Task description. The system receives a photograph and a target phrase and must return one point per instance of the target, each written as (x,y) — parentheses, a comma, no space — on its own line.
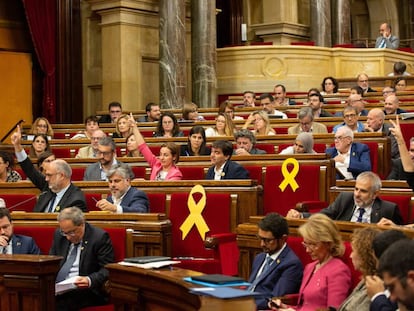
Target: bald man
(386,39)
(392,105)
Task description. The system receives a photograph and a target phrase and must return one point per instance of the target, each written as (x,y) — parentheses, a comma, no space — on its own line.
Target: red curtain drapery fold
(41,18)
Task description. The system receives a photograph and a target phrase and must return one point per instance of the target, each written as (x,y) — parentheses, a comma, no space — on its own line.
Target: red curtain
(41,17)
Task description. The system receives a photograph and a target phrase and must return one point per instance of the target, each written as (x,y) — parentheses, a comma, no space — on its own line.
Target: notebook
(146,259)
(217,279)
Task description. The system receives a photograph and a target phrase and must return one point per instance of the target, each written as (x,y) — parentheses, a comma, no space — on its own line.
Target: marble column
(341,20)
(321,22)
(173,78)
(203,52)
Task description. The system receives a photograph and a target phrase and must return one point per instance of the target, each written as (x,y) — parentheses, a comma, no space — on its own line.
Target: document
(150,265)
(65,285)
(223,292)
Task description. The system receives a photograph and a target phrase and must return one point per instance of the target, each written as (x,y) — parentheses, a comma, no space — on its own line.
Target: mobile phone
(273,303)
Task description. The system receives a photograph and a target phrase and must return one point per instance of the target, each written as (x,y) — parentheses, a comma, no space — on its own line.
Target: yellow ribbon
(289,177)
(195,217)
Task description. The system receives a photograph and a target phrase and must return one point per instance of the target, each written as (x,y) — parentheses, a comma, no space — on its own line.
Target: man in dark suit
(363,205)
(223,167)
(123,198)
(246,141)
(115,110)
(277,271)
(11,243)
(350,158)
(58,192)
(90,249)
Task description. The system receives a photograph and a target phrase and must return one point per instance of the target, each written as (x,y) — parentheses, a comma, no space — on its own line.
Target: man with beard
(123,198)
(277,271)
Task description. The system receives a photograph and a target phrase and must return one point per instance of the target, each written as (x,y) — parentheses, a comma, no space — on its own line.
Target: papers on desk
(223,292)
(407,115)
(150,265)
(65,285)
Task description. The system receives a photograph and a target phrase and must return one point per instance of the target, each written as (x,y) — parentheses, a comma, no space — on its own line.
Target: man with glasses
(277,271)
(306,123)
(58,192)
(11,243)
(268,104)
(350,120)
(85,250)
(115,111)
(363,83)
(106,155)
(91,150)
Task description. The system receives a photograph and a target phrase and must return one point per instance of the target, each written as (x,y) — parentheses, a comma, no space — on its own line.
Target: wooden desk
(27,282)
(139,289)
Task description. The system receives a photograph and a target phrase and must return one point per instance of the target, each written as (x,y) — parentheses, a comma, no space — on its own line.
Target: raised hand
(16,139)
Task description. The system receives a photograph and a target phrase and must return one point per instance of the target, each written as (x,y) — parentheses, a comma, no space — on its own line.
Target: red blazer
(327,287)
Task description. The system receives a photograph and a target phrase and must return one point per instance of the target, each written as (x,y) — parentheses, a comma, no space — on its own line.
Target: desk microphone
(21,203)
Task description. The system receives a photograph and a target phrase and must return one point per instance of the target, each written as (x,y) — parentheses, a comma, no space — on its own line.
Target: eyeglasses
(42,125)
(265,240)
(69,233)
(350,115)
(104,153)
(50,175)
(309,245)
(363,81)
(340,137)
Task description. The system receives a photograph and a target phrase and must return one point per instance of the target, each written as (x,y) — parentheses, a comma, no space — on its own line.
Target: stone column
(203,52)
(321,22)
(173,78)
(341,20)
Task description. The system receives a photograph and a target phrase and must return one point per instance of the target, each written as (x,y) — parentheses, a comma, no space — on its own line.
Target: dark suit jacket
(72,197)
(22,244)
(134,201)
(343,207)
(360,160)
(106,118)
(93,172)
(397,170)
(395,153)
(231,170)
(96,252)
(283,277)
(382,303)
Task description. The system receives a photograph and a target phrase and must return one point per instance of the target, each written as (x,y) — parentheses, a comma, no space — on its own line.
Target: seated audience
(132,147)
(351,158)
(44,159)
(363,83)
(87,263)
(268,104)
(364,260)
(330,86)
(350,120)
(57,190)
(153,113)
(315,102)
(312,91)
(249,98)
(392,105)
(327,280)
(280,96)
(122,129)
(303,144)
(123,198)
(224,126)
(359,104)
(228,108)
(400,84)
(91,125)
(11,243)
(7,174)
(115,110)
(168,126)
(399,69)
(196,143)
(162,167)
(40,126)
(39,145)
(261,122)
(356,90)
(190,113)
(91,150)
(276,271)
(245,142)
(388,90)
(222,167)
(363,205)
(306,123)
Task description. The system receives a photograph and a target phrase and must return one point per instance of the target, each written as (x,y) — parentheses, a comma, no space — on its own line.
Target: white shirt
(218,173)
(343,167)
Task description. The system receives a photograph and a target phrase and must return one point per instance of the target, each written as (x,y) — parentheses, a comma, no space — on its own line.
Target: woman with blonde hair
(327,280)
(122,129)
(224,126)
(132,147)
(42,126)
(260,120)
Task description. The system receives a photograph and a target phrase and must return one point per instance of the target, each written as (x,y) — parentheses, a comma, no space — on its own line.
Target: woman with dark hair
(356,89)
(44,159)
(7,174)
(132,147)
(39,145)
(196,144)
(168,126)
(400,84)
(330,86)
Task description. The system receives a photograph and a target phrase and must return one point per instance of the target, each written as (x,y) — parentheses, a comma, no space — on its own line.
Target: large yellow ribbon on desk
(289,177)
(195,217)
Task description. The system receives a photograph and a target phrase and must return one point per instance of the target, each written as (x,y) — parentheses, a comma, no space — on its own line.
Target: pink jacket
(327,287)
(173,174)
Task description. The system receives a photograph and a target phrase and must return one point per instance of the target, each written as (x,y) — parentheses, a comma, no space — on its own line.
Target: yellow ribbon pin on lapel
(289,177)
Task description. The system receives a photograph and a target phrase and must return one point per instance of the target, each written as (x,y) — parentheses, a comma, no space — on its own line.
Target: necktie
(65,269)
(268,262)
(361,213)
(382,44)
(52,202)
(4,251)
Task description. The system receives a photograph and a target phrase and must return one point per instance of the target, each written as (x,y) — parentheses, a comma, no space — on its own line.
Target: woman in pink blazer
(326,281)
(163,167)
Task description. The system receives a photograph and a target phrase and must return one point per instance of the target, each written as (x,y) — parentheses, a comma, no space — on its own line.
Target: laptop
(146,259)
(218,279)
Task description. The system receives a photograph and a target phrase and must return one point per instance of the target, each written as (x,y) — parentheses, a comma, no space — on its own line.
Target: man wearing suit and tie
(386,39)
(123,198)
(277,271)
(85,250)
(58,192)
(11,243)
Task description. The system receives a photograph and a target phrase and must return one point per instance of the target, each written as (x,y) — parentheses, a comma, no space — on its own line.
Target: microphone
(21,203)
